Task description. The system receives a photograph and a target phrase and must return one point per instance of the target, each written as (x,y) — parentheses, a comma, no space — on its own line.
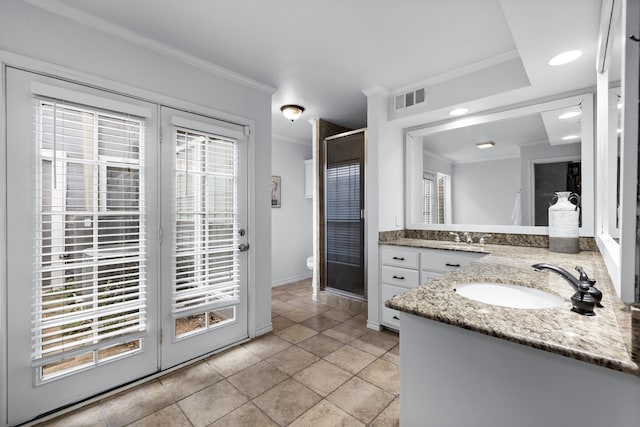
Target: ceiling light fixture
(486,144)
(291,111)
(569,137)
(565,57)
(569,115)
(458,111)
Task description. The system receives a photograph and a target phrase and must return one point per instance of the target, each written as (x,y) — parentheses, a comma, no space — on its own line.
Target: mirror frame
(413,137)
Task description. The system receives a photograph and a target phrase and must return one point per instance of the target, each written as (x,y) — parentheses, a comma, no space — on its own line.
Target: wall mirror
(497,171)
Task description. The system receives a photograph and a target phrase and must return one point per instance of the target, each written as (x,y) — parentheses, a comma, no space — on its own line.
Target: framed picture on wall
(276,194)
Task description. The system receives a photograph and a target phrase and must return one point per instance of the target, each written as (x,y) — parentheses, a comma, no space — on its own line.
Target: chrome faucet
(586,296)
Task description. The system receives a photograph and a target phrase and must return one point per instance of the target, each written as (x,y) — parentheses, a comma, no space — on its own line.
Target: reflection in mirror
(503,172)
(502,169)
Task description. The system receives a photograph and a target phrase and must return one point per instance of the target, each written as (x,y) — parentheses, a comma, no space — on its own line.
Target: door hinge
(161,335)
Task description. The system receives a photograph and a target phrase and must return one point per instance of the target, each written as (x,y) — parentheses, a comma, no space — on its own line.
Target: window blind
(206,252)
(90,248)
(427,198)
(343,213)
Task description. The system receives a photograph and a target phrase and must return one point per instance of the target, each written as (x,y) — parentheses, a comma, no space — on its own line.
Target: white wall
(291,225)
(431,164)
(82,53)
(485,192)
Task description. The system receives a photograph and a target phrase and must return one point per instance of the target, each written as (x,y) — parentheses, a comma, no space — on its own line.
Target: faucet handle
(583,274)
(456,238)
(482,240)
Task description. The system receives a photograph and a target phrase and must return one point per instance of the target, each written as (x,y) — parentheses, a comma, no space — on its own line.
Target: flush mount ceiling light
(291,111)
(565,57)
(569,137)
(458,111)
(486,144)
(569,115)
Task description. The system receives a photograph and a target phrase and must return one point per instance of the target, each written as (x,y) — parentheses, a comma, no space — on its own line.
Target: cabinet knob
(399,277)
(396,317)
(452,265)
(398,258)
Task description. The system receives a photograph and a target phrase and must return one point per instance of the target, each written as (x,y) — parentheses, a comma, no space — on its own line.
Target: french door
(204,252)
(123,252)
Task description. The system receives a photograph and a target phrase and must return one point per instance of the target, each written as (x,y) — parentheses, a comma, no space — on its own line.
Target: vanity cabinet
(403,268)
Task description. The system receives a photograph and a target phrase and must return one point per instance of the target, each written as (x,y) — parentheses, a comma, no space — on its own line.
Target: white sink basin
(506,295)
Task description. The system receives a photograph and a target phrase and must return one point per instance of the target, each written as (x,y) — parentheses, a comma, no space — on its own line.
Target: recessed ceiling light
(486,144)
(569,115)
(565,57)
(569,137)
(459,111)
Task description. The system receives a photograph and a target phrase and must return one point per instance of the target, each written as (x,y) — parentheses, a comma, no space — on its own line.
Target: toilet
(311,263)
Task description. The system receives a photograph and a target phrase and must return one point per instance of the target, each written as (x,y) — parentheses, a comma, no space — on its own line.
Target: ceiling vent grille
(411,98)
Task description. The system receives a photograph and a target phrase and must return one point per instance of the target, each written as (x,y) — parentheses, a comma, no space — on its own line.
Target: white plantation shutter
(206,251)
(90,248)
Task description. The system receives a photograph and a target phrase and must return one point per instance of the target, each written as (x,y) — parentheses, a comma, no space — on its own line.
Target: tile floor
(319,367)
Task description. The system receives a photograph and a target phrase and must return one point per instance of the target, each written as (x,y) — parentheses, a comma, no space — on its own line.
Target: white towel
(516,215)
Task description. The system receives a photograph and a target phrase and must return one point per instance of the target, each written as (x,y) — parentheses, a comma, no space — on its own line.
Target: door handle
(243,247)
(398,258)
(452,265)
(398,277)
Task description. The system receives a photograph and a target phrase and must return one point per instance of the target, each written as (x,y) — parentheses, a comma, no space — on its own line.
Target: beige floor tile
(350,359)
(392,355)
(267,345)
(286,401)
(212,403)
(279,323)
(257,379)
(323,377)
(361,399)
(189,380)
(390,417)
(320,345)
(135,404)
(246,415)
(320,323)
(296,333)
(326,414)
(298,315)
(292,360)
(281,308)
(89,416)
(383,374)
(372,342)
(339,315)
(359,320)
(171,416)
(345,332)
(283,297)
(232,361)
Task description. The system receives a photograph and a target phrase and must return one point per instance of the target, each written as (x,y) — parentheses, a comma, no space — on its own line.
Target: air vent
(411,98)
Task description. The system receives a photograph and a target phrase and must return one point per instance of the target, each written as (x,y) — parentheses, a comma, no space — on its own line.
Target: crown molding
(73,14)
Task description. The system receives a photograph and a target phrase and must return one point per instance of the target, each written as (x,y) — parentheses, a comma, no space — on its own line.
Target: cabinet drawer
(443,260)
(390,317)
(426,275)
(399,257)
(400,277)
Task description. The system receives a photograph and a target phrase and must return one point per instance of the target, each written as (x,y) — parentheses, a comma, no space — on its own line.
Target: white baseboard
(373,325)
(291,280)
(264,330)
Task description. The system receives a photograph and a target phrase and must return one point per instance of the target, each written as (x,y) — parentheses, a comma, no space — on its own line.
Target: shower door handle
(243,247)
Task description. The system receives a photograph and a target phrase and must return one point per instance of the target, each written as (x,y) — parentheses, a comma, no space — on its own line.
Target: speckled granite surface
(600,339)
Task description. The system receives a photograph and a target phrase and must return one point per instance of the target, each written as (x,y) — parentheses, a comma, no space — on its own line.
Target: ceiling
(324,54)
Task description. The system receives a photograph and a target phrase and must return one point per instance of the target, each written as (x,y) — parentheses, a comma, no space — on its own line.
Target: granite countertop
(603,339)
